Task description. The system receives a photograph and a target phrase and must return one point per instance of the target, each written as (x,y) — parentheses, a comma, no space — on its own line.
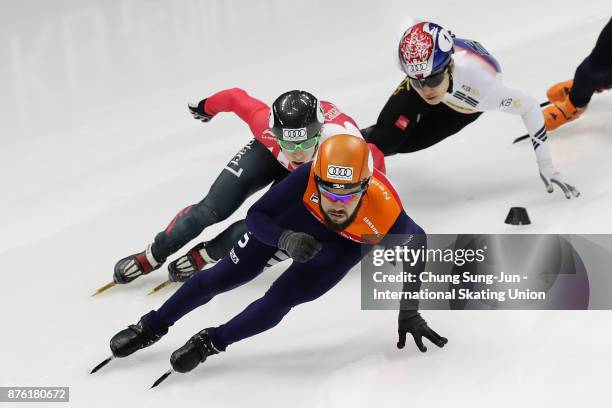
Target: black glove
(300,246)
(410,321)
(198,112)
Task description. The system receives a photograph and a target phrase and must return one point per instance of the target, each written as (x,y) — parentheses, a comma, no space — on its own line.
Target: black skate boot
(194,352)
(133,266)
(135,337)
(187,265)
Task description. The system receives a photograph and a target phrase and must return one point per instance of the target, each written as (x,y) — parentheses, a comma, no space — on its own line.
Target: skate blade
(159,287)
(162,378)
(103,288)
(102,364)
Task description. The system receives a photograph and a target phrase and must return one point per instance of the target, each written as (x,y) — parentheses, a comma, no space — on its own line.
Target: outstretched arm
(512,101)
(409,320)
(251,110)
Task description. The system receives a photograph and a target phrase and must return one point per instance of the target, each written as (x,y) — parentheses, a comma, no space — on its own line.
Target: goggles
(431,81)
(293,146)
(343,198)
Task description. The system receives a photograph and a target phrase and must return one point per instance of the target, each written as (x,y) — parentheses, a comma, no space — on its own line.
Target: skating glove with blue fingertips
(300,246)
(410,321)
(198,112)
(550,176)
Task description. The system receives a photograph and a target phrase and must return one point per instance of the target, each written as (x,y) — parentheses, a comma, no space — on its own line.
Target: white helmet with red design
(425,49)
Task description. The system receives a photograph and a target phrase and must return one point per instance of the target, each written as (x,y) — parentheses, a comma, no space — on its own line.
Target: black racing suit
(407,123)
(250,170)
(595,71)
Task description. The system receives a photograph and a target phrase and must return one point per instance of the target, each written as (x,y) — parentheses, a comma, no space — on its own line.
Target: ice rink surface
(98,152)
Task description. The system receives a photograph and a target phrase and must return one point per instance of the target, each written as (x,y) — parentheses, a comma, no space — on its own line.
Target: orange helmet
(344,162)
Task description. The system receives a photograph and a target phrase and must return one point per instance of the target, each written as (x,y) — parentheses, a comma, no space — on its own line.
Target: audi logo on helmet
(417,67)
(295,135)
(339,172)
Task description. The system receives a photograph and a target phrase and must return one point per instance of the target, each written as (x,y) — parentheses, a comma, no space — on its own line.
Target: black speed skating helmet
(296,116)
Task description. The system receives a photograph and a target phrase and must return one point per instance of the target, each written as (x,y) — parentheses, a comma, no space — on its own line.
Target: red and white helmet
(425,49)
